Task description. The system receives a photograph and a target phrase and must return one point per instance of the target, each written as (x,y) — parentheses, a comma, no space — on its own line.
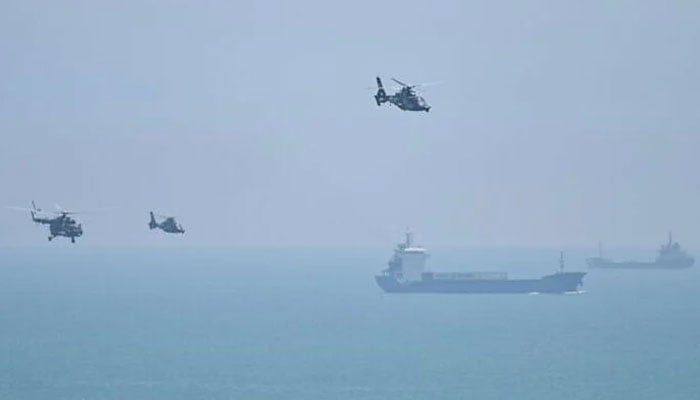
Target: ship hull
(606,264)
(556,283)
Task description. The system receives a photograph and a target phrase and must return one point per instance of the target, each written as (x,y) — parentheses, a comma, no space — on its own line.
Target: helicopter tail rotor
(152,224)
(380,97)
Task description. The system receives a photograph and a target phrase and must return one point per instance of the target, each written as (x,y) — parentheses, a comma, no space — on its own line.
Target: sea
(90,323)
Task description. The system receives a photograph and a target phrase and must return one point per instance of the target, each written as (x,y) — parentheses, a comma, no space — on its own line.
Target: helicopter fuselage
(409,102)
(62,225)
(406,99)
(168,225)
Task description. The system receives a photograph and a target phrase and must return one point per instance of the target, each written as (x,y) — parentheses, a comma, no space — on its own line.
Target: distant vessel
(671,256)
(406,274)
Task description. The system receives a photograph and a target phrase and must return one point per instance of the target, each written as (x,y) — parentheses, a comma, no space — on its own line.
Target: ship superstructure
(407,274)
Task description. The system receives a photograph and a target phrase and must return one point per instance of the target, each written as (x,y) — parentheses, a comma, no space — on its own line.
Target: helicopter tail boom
(33,211)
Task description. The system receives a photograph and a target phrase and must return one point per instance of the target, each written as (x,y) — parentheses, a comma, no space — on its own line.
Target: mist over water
(300,324)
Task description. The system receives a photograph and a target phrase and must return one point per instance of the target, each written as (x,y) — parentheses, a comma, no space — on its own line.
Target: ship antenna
(561,262)
(409,237)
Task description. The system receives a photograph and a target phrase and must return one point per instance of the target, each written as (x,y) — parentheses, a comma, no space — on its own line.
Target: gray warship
(670,256)
(407,274)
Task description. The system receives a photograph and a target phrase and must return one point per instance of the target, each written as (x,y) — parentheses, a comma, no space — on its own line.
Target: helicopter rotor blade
(21,209)
(62,211)
(422,85)
(399,82)
(32,210)
(391,88)
(39,211)
(164,216)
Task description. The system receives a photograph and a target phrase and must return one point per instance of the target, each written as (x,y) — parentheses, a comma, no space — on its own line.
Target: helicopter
(168,225)
(405,99)
(61,225)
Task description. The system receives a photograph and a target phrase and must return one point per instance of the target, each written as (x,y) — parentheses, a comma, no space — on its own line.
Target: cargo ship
(670,256)
(407,274)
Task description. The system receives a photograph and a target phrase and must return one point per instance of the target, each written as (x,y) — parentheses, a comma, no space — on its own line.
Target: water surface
(82,323)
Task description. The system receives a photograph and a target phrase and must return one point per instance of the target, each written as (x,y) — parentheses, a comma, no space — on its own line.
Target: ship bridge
(413,260)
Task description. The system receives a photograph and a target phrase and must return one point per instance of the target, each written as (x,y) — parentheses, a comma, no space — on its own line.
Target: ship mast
(409,238)
(561,262)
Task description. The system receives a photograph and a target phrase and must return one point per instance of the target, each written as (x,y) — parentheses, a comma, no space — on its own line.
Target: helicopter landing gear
(50,238)
(72,239)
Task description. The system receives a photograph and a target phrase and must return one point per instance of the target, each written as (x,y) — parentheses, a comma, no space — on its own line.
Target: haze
(558,123)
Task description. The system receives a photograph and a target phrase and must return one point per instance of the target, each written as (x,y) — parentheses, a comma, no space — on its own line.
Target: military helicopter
(405,99)
(168,225)
(61,225)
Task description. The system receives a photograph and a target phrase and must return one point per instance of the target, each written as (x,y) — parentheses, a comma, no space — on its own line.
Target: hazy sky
(560,122)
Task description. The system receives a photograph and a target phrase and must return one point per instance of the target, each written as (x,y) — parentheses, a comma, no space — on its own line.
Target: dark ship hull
(602,263)
(556,283)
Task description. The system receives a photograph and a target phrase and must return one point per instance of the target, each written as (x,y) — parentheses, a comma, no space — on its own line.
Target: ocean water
(85,323)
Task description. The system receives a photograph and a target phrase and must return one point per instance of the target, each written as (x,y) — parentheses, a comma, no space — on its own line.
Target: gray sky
(559,123)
